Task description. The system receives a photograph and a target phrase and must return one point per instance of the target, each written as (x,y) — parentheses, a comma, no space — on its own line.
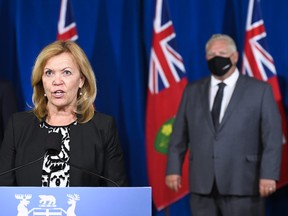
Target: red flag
(66,25)
(257,62)
(167,79)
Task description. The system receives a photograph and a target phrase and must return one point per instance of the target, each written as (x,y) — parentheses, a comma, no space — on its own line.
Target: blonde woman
(89,153)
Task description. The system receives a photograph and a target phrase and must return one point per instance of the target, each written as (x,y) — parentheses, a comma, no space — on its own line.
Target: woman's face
(61,80)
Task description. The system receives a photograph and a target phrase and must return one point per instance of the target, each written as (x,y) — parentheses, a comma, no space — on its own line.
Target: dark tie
(217,105)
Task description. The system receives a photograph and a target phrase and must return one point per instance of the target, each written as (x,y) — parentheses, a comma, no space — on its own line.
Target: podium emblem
(47,205)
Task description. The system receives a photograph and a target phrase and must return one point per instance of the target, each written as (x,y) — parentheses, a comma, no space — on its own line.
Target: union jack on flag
(257,62)
(66,25)
(166,64)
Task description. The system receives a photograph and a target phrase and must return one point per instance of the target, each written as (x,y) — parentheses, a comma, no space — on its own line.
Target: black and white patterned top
(55,172)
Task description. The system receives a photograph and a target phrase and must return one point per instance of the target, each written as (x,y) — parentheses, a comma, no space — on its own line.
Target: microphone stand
(89,172)
(24,165)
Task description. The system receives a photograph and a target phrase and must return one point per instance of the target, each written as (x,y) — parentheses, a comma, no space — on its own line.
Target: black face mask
(219,65)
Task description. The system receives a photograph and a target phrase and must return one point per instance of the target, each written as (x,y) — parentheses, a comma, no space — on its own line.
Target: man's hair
(227,38)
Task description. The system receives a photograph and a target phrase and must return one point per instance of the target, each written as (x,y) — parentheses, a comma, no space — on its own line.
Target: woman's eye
(67,72)
(48,72)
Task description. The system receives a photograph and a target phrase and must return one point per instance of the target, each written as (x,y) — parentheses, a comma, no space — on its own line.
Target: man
(8,105)
(234,144)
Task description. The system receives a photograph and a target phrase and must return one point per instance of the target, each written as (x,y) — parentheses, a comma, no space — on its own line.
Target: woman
(89,153)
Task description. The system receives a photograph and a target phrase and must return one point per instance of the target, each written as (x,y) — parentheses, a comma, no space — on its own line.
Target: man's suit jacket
(8,105)
(246,147)
(94,146)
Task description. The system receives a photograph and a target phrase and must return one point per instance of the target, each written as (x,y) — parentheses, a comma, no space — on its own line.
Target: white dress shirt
(228,91)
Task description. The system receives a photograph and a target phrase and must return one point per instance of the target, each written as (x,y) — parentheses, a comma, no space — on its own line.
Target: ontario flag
(66,25)
(167,80)
(257,62)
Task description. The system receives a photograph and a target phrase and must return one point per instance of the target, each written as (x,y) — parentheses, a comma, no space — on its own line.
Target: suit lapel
(205,88)
(235,99)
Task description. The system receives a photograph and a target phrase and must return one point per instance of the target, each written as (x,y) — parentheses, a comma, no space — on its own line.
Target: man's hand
(173,182)
(267,187)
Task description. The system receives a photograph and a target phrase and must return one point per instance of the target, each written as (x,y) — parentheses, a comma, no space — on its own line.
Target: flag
(166,82)
(258,62)
(66,25)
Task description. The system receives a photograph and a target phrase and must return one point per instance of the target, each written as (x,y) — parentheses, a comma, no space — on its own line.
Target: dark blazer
(246,147)
(8,105)
(94,146)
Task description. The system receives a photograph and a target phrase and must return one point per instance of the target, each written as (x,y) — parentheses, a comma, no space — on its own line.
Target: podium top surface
(104,201)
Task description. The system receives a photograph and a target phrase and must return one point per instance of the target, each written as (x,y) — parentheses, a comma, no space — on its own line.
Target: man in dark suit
(234,138)
(8,105)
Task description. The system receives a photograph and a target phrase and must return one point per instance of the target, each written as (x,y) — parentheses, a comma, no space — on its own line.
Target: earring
(80,93)
(45,95)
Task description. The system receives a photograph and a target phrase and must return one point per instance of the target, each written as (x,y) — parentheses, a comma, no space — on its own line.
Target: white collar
(229,81)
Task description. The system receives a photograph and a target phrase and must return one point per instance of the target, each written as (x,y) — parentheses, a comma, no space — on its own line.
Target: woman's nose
(57,80)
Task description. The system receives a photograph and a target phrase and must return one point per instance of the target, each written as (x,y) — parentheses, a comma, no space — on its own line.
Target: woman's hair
(227,38)
(86,95)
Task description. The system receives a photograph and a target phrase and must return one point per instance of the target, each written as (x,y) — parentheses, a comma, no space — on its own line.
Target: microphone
(54,148)
(50,150)
(22,166)
(53,143)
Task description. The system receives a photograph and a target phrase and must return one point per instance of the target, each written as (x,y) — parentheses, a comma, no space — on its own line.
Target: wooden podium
(76,201)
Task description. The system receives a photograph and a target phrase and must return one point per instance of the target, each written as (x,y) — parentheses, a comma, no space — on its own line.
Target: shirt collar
(229,81)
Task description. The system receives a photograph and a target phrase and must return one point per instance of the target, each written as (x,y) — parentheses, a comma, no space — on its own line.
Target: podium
(76,201)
